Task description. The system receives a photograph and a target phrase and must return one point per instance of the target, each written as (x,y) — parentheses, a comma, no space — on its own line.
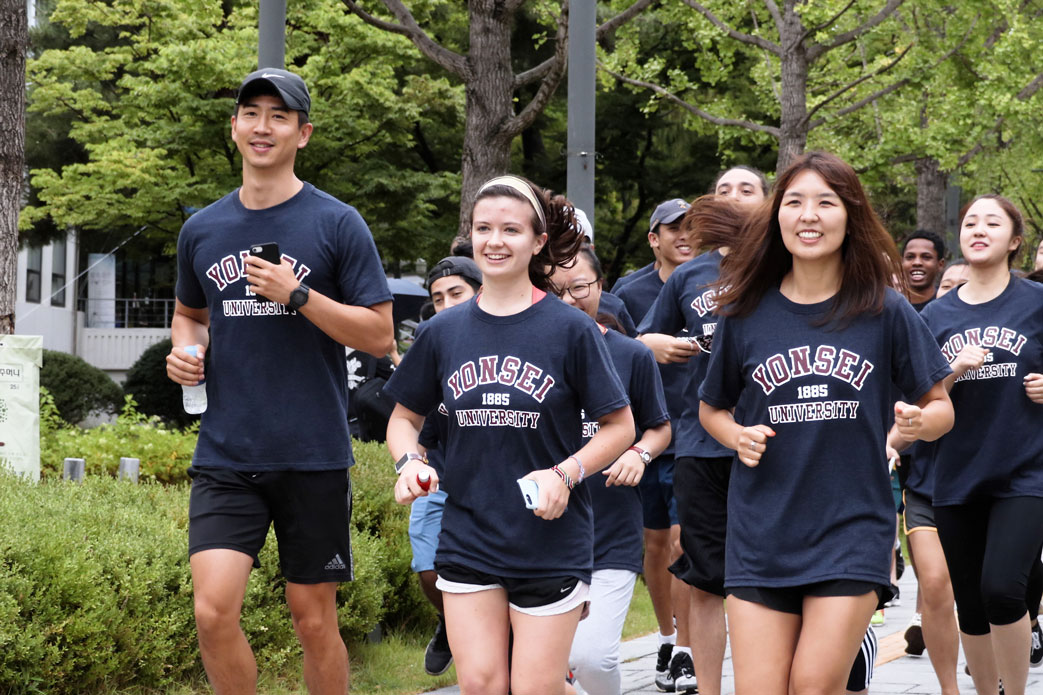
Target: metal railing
(124,312)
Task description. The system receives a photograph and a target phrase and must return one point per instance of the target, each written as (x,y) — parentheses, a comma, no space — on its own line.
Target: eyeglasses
(578,291)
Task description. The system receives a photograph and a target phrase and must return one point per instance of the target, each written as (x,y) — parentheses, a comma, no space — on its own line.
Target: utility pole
(271,34)
(580,171)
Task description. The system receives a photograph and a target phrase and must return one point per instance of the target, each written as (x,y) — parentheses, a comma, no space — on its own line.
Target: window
(58,273)
(34,262)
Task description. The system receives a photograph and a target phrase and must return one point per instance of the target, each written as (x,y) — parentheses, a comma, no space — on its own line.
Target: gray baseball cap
(289,86)
(668,212)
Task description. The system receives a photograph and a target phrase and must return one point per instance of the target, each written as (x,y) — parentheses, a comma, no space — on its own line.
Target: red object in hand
(423,479)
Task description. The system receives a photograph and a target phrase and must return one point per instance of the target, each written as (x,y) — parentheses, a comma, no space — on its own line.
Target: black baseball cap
(289,86)
(455,265)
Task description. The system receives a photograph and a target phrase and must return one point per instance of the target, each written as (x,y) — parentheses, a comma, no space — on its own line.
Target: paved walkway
(896,673)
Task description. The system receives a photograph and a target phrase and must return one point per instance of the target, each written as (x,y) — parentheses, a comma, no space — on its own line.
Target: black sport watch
(299,297)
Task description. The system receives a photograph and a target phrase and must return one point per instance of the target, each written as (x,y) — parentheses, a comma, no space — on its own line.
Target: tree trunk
(14,37)
(930,196)
(793,101)
(490,101)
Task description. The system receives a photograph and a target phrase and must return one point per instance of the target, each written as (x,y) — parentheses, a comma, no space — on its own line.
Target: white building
(107,331)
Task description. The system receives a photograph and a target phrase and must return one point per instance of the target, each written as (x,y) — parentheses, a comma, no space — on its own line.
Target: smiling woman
(988,482)
(812,341)
(512,371)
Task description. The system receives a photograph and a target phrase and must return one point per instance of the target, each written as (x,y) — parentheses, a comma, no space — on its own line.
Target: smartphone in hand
(530,492)
(270,253)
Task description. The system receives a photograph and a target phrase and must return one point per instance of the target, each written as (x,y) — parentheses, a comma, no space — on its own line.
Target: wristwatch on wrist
(299,297)
(406,458)
(646,457)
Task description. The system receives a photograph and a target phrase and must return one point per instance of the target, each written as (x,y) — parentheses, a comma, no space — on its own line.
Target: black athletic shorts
(919,513)
(701,492)
(790,599)
(311,511)
(532,595)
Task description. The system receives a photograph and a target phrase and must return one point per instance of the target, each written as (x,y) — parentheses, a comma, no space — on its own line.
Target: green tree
(150,111)
(803,65)
(484,63)
(13,41)
(970,117)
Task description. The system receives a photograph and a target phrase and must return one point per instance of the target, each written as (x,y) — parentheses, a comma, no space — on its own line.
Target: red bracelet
(564,476)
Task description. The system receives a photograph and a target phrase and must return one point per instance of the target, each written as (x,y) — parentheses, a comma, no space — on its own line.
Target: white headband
(522,187)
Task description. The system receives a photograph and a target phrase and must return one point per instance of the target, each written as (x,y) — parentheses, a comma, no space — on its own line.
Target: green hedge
(165,453)
(78,388)
(95,590)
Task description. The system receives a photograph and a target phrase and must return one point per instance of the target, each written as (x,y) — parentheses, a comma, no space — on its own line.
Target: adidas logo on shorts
(336,563)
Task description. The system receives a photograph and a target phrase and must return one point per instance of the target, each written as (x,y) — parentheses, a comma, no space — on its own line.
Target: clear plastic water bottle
(194,397)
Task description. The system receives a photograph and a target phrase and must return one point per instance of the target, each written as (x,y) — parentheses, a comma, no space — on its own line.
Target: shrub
(165,453)
(153,391)
(77,387)
(95,591)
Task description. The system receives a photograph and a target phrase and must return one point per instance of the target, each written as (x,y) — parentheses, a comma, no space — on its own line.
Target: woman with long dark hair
(512,369)
(988,483)
(810,343)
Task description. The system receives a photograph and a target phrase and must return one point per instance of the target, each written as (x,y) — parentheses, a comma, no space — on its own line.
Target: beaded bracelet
(582,471)
(564,476)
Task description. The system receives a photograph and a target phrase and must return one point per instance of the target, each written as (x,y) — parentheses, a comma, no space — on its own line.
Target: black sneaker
(682,670)
(437,657)
(1036,655)
(914,644)
(664,682)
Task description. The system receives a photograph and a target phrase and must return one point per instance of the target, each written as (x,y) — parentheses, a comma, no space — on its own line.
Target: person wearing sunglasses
(594,657)
(810,342)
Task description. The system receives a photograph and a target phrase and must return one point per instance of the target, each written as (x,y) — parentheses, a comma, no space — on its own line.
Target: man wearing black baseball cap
(273,444)
(670,240)
(290,88)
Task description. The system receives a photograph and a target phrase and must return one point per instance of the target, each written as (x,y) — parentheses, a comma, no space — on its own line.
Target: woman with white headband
(515,370)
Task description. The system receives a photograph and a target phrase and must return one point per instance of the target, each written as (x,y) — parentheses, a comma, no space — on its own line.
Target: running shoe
(878,618)
(682,670)
(437,657)
(664,682)
(1036,655)
(914,645)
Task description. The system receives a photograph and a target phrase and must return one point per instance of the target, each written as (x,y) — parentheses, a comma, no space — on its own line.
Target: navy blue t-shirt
(687,303)
(513,388)
(639,295)
(618,518)
(919,454)
(276,385)
(643,270)
(818,506)
(995,448)
(613,306)
(433,436)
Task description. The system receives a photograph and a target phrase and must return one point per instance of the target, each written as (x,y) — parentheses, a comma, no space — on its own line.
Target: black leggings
(1035,592)
(990,546)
